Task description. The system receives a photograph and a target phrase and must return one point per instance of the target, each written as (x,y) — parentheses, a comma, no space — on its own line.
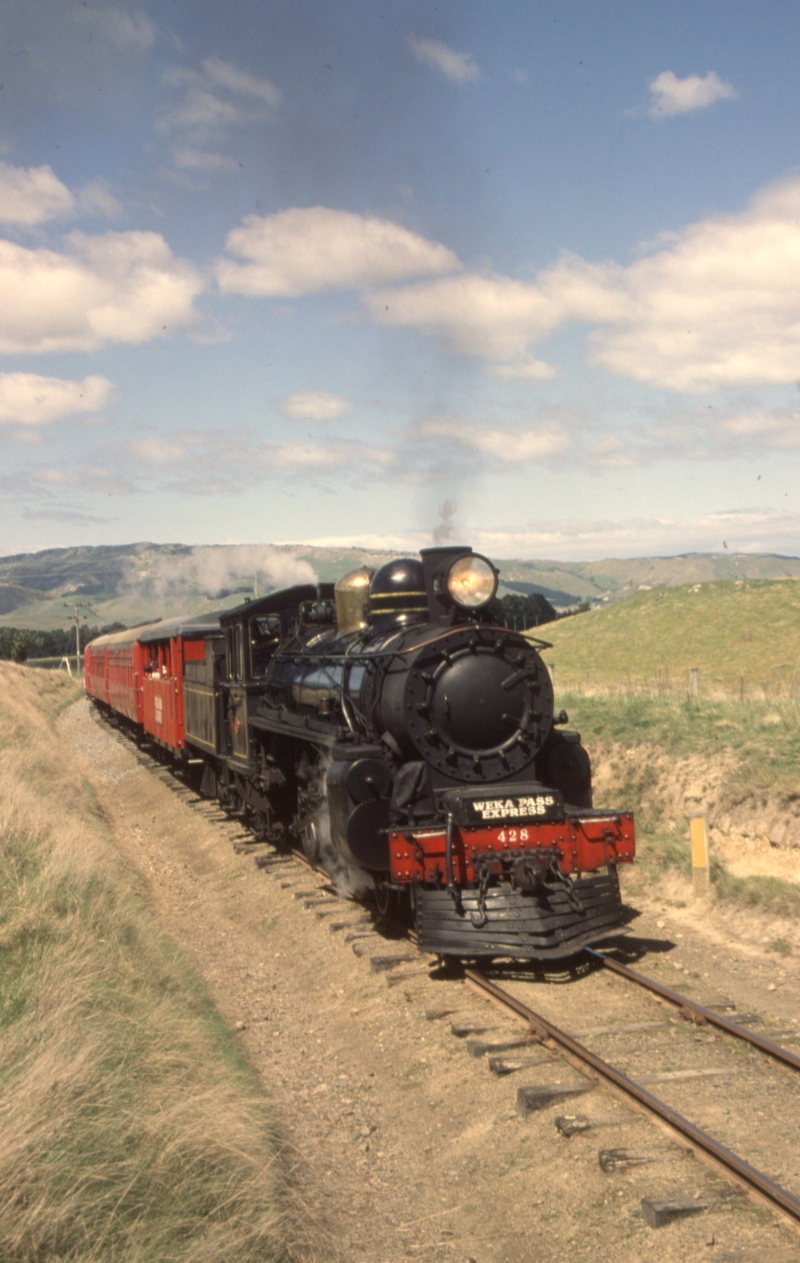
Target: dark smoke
(444,530)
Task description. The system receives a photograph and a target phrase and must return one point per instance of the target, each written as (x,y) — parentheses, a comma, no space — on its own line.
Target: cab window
(264,635)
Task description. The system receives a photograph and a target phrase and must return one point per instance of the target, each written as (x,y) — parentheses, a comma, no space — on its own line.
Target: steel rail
(774,1193)
(714,1019)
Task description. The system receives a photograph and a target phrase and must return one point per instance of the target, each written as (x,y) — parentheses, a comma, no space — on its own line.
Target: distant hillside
(613,578)
(727,630)
(135,582)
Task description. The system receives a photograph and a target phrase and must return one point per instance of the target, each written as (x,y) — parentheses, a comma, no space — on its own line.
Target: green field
(622,673)
(742,636)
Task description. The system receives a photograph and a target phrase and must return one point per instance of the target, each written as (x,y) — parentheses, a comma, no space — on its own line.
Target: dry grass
(130,1128)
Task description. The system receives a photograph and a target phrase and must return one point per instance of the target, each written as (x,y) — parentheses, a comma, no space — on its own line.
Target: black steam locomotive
(395,728)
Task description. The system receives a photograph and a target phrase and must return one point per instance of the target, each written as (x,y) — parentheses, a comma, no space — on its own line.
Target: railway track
(370,936)
(699,1012)
(588,1062)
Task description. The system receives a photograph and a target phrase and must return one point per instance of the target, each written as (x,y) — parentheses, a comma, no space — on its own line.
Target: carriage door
(237,693)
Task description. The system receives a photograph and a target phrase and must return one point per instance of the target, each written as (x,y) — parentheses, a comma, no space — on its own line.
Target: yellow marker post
(701,867)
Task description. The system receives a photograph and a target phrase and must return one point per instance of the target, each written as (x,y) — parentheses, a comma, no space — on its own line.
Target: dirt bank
(751,831)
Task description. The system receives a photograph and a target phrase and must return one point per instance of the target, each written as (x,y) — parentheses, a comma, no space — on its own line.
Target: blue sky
(312,271)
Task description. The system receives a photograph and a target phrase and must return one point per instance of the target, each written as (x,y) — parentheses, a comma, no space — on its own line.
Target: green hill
(132,583)
(730,631)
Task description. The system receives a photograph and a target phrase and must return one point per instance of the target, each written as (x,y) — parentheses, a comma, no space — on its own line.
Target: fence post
(701,867)
(694,682)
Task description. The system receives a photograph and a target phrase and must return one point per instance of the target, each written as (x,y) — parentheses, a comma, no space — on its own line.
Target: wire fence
(778,683)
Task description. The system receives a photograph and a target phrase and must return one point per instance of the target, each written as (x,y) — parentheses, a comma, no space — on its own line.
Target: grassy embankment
(131,1127)
(622,674)
(743,636)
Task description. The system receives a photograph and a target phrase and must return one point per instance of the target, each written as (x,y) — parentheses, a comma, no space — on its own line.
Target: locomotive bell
(352,595)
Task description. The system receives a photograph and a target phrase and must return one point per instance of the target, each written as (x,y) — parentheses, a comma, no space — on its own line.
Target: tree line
(17,644)
(531,610)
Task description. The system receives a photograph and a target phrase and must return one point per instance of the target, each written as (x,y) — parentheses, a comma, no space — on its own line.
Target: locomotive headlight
(472,581)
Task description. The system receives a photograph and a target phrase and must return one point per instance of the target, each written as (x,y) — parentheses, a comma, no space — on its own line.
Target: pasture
(729,750)
(741,636)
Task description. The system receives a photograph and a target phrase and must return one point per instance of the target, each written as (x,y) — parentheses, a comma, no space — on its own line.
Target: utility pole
(77,618)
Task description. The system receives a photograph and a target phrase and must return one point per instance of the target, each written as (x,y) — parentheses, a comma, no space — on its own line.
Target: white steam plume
(214,571)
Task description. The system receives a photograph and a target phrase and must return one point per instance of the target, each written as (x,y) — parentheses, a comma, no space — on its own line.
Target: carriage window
(265,634)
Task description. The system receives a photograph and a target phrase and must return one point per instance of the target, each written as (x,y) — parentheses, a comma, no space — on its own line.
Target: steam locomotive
(402,735)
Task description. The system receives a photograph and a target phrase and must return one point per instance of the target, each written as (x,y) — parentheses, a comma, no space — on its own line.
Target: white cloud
(152,450)
(407,542)
(90,478)
(493,316)
(54,477)
(681,96)
(768,428)
(225,75)
(490,316)
(581,539)
(203,113)
(301,455)
(307,250)
(506,445)
(32,195)
(202,460)
(96,199)
(715,305)
(459,67)
(529,370)
(128,31)
(336,454)
(49,492)
(189,159)
(31,400)
(586,539)
(215,99)
(116,287)
(718,306)
(314,405)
